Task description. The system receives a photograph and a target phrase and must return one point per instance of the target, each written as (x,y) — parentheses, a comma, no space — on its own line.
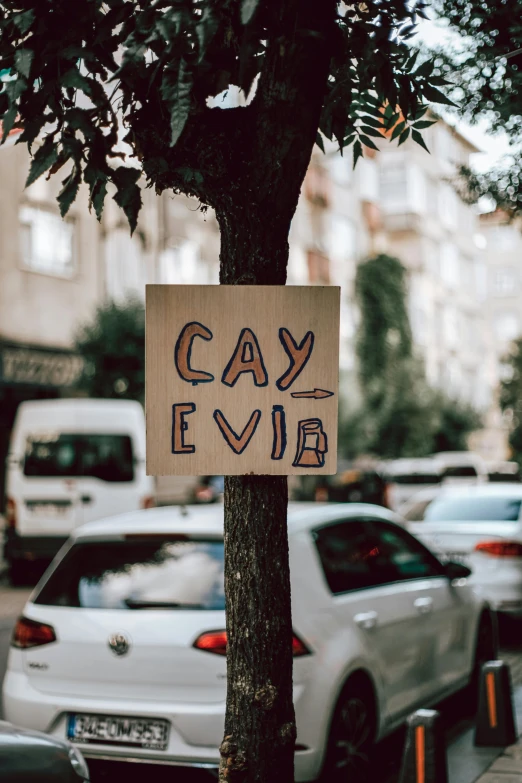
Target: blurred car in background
(478,526)
(122,645)
(32,757)
(209,489)
(360,481)
(70,462)
(460,467)
(503,471)
(404,477)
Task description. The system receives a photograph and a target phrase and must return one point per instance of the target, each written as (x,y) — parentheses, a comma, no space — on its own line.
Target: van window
(70,455)
(415,478)
(460,471)
(145,572)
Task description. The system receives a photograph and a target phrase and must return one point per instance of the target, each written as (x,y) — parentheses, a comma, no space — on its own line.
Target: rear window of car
(460,471)
(415,478)
(139,573)
(69,455)
(472,509)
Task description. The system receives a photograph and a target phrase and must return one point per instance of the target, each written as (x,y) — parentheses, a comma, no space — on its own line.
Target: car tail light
(500,548)
(10,513)
(216,642)
(148,502)
(29,633)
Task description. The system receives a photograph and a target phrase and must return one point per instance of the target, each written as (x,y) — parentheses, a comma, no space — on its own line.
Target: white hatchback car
(481,527)
(121,646)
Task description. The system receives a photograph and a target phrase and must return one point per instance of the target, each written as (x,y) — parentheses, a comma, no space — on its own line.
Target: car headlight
(79,764)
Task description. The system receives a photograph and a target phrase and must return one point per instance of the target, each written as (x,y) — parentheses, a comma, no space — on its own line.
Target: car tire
(352,735)
(486,649)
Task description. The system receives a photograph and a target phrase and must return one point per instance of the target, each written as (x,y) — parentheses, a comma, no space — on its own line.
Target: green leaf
(375,122)
(248,9)
(425,124)
(74,79)
(44,157)
(24,20)
(180,107)
(69,191)
(436,96)
(128,194)
(398,130)
(416,136)
(371,132)
(23,60)
(357,152)
(319,141)
(404,136)
(368,142)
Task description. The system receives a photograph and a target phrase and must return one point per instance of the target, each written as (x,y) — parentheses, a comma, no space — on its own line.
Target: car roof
(208,520)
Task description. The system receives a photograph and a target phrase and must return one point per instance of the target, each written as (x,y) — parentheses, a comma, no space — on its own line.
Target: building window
(318,268)
(504,280)
(394,186)
(47,242)
(507,326)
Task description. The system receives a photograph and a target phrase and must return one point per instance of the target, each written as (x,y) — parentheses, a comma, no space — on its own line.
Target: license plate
(456,557)
(48,509)
(117,730)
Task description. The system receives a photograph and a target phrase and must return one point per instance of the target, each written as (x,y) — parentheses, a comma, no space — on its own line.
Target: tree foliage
(86,75)
(113,348)
(400,415)
(511,395)
(485,69)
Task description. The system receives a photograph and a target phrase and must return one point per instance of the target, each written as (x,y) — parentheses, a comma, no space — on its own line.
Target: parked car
(481,527)
(32,757)
(404,478)
(121,647)
(460,467)
(70,462)
(503,471)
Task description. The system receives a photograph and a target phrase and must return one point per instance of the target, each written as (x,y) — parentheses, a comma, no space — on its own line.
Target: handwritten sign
(242,380)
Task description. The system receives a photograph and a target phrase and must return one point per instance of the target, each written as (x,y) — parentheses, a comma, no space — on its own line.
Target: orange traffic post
(495,726)
(424,759)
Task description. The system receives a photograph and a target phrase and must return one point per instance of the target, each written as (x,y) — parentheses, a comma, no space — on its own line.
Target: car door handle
(86,499)
(366,620)
(423,605)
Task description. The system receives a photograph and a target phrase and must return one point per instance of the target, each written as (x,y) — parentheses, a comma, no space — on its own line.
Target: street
(457,722)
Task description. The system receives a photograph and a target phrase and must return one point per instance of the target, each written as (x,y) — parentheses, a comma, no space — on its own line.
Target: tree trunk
(260,725)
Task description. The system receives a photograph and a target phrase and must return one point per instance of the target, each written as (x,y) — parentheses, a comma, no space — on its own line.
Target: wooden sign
(242,379)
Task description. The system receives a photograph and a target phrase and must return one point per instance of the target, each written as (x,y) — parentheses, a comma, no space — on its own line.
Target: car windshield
(72,455)
(469,509)
(140,573)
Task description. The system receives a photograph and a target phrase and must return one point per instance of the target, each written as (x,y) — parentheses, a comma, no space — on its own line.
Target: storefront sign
(34,367)
(242,380)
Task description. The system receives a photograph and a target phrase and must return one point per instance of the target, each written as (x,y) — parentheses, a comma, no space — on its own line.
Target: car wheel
(352,734)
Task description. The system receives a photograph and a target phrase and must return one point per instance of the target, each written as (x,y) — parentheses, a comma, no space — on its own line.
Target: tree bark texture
(270,152)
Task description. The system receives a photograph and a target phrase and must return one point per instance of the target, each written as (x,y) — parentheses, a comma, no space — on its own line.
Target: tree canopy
(86,75)
(485,69)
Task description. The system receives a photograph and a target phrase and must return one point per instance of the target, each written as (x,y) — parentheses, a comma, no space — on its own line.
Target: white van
(70,462)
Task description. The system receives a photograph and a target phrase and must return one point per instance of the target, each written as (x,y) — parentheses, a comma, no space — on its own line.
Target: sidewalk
(507,768)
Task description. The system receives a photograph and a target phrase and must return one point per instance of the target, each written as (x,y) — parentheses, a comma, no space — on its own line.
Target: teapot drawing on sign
(312,444)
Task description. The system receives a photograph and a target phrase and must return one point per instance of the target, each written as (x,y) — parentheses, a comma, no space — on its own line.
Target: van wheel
(17,573)
(352,735)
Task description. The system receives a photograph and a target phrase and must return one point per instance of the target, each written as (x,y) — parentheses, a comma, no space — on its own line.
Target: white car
(481,527)
(121,647)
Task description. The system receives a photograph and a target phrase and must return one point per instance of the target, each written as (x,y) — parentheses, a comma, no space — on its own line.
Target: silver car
(478,526)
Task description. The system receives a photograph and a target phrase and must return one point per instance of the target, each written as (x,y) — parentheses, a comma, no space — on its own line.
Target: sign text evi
(242,379)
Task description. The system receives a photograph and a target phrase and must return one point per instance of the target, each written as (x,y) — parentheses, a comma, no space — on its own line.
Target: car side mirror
(456,571)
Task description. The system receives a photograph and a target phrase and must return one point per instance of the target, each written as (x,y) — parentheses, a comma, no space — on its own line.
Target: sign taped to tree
(242,379)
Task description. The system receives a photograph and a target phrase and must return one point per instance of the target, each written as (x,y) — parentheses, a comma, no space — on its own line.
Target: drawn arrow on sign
(316,394)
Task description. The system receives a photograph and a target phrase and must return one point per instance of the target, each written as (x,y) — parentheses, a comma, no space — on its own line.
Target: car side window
(351,557)
(408,558)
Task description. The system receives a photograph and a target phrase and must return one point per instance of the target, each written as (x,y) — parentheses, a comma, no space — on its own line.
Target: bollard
(495,723)
(424,758)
